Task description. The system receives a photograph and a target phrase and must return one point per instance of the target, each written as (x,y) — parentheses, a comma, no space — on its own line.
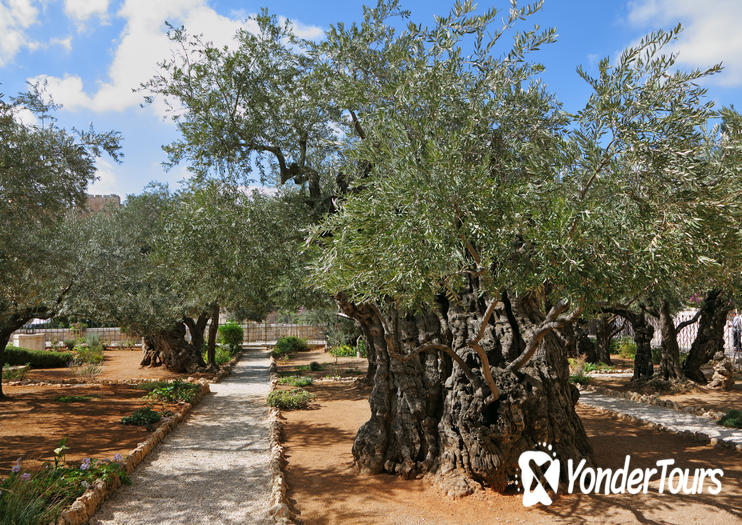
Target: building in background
(97,203)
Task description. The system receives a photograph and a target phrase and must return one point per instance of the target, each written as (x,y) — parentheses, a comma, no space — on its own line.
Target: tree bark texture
(433,412)
(213,330)
(4,338)
(604,334)
(710,337)
(196,327)
(670,352)
(169,347)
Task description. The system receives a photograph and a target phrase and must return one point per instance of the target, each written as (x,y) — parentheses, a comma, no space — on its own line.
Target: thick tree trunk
(643,333)
(584,344)
(4,338)
(604,334)
(710,338)
(434,414)
(670,359)
(196,328)
(213,330)
(169,347)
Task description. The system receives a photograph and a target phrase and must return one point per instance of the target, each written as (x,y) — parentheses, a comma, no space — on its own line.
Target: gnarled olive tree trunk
(169,347)
(710,337)
(670,352)
(606,329)
(435,409)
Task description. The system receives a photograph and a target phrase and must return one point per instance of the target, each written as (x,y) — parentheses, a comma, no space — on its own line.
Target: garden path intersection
(214,467)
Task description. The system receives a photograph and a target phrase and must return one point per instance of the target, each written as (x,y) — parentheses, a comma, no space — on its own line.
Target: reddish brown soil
(118,365)
(325,488)
(32,422)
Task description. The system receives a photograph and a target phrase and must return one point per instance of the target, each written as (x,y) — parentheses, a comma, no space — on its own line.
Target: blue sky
(93,52)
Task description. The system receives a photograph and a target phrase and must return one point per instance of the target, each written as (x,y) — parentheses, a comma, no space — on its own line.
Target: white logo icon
(549,474)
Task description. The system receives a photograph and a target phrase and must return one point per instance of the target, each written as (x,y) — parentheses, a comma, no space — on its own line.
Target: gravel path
(673,420)
(213,468)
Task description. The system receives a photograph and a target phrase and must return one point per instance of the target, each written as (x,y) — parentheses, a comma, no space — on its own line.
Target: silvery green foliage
(44,173)
(448,157)
(477,169)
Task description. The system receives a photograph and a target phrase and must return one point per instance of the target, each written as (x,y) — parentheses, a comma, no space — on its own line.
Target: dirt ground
(118,365)
(32,422)
(325,488)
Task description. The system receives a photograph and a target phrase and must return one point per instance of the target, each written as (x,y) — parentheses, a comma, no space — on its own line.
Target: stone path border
(84,507)
(694,427)
(654,401)
(280,509)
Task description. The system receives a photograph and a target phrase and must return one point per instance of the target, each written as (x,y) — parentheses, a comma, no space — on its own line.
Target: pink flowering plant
(40,496)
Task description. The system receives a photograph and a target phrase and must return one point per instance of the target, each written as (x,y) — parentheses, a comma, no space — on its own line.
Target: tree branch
(553,321)
(474,343)
(688,322)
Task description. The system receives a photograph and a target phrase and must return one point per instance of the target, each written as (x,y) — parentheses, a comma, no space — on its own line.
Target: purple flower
(25,476)
(85,466)
(118,457)
(85,484)
(17,467)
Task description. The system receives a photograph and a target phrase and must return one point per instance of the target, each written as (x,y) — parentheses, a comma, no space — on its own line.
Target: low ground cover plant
(287,345)
(624,346)
(170,391)
(732,419)
(294,399)
(295,380)
(28,497)
(142,417)
(76,399)
(37,358)
(343,351)
(16,373)
(577,371)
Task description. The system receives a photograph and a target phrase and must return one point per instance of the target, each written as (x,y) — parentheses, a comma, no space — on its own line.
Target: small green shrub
(592,367)
(295,380)
(294,399)
(625,347)
(92,339)
(89,371)
(732,419)
(231,334)
(343,351)
(171,391)
(287,345)
(37,358)
(142,417)
(580,378)
(87,354)
(75,399)
(15,374)
(314,366)
(222,355)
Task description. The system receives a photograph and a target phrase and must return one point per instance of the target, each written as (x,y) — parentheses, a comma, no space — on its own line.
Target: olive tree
(471,221)
(44,172)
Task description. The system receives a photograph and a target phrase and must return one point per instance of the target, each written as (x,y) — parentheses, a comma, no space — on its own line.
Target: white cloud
(15,17)
(143,44)
(62,42)
(106,183)
(82,10)
(711,32)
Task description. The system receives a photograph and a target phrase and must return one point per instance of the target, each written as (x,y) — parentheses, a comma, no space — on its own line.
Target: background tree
(44,172)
